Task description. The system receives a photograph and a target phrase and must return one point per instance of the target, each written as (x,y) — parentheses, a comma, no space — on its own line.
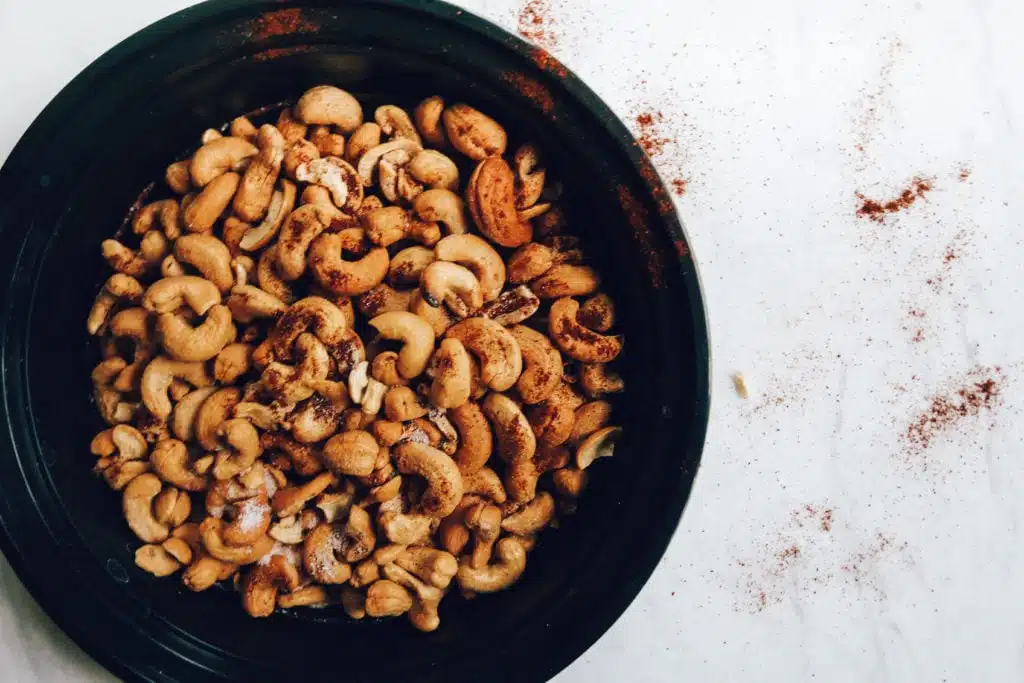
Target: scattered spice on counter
(979,391)
(876,210)
(281,23)
(874,102)
(861,567)
(536,23)
(665,150)
(544,59)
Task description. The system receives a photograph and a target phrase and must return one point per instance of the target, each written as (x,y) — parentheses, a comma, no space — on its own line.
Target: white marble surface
(777,114)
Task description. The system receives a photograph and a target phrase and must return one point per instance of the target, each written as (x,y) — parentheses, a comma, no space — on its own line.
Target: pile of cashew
(350,361)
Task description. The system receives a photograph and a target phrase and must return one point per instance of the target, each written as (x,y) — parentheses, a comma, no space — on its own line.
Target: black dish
(113,130)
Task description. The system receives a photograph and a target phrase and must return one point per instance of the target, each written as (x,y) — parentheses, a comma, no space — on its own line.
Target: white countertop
(833,533)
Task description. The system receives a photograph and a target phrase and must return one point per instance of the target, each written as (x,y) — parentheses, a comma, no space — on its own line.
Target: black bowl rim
(113,656)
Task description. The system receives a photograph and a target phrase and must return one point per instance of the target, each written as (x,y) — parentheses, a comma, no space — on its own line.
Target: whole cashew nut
(408,265)
(442,206)
(473,133)
(444,481)
(501,361)
(384,299)
(536,515)
(477,255)
(261,586)
(452,372)
(597,313)
(321,555)
(428,119)
(314,314)
(517,445)
(136,263)
(566,280)
(290,500)
(217,157)
(244,448)
(211,532)
(512,307)
(327,105)
(352,453)
(385,598)
(257,186)
(348,278)
(371,158)
(338,176)
(543,363)
(451,284)
(168,211)
(171,293)
(434,170)
(157,377)
(302,227)
(282,202)
(209,256)
(365,137)
(117,289)
(390,224)
(183,342)
(476,438)
(172,463)
(491,199)
(416,335)
(597,380)
(530,176)
(577,341)
(137,504)
(395,123)
(202,213)
(499,576)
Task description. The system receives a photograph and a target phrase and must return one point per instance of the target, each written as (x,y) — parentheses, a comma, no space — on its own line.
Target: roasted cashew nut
(385,598)
(477,255)
(389,224)
(428,120)
(371,158)
(351,453)
(157,377)
(473,133)
(183,342)
(512,307)
(384,299)
(577,341)
(348,278)
(171,293)
(338,176)
(211,532)
(484,521)
(247,303)
(117,289)
(499,576)
(243,448)
(543,365)
(217,157)
(452,372)
(445,207)
(282,202)
(167,211)
(600,444)
(415,334)
(597,313)
(423,614)
(597,380)
(137,504)
(136,262)
(444,481)
(209,256)
(490,196)
(451,284)
(202,213)
(530,176)
(533,517)
(434,170)
(213,412)
(501,361)
(327,105)
(302,227)
(365,137)
(261,586)
(408,265)
(172,463)
(484,482)
(314,314)
(590,417)
(290,500)
(133,324)
(566,280)
(475,437)
(257,186)
(517,445)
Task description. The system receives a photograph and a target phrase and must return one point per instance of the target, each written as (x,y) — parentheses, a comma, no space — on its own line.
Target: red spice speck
(648,136)
(981,391)
(964,174)
(876,211)
(918,336)
(543,59)
(536,23)
(679,186)
(282,23)
(532,89)
(650,174)
(277,53)
(639,221)
(682,249)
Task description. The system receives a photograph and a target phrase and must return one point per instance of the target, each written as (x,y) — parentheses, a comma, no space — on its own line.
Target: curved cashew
(290,500)
(261,586)
(156,560)
(442,206)
(371,158)
(118,288)
(257,186)
(405,529)
(202,213)
(569,481)
(172,507)
(485,522)
(490,196)
(186,343)
(511,565)
(121,442)
(408,265)
(590,417)
(313,313)
(327,143)
(169,294)
(338,176)
(303,457)
(291,127)
(435,567)
(292,384)
(597,313)
(452,284)
(137,504)
(157,377)
(297,154)
(268,278)
(484,482)
(543,363)
(517,445)
(178,177)
(479,256)
(348,278)
(501,361)
(596,380)
(434,170)
(248,303)
(452,373)
(389,224)
(211,531)
(320,555)
(136,263)
(475,438)
(233,361)
(352,453)
(282,202)
(402,404)
(530,175)
(327,105)
(108,400)
(307,596)
(536,515)
(171,462)
(167,210)
(209,256)
(365,137)
(600,444)
(384,299)
(385,598)
(444,481)
(530,261)
(415,334)
(566,280)
(577,341)
(512,307)
(473,133)
(133,324)
(217,157)
(241,127)
(302,227)
(552,422)
(243,443)
(428,119)
(395,123)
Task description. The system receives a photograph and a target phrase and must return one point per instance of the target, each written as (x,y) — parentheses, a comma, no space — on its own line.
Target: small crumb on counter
(739,383)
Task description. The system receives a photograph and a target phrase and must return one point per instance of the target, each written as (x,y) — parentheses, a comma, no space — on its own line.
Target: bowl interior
(146,109)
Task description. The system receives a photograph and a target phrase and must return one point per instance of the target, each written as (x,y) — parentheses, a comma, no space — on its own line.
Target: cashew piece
(543,365)
(566,280)
(536,515)
(365,137)
(452,284)
(290,500)
(490,196)
(395,123)
(371,158)
(167,210)
(600,444)
(510,566)
(435,567)
(118,288)
(233,361)
(384,299)
(202,213)
(156,560)
(390,224)
(577,341)
(352,453)
(444,482)
(244,448)
(408,265)
(484,482)
(475,438)
(137,504)
(178,177)
(530,175)
(597,313)
(589,418)
(156,381)
(477,255)
(136,263)
(512,307)
(415,334)
(171,461)
(257,186)
(338,176)
(327,105)
(261,586)
(302,227)
(282,202)
(597,380)
(473,133)
(517,445)
(217,157)
(401,404)
(428,119)
(501,361)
